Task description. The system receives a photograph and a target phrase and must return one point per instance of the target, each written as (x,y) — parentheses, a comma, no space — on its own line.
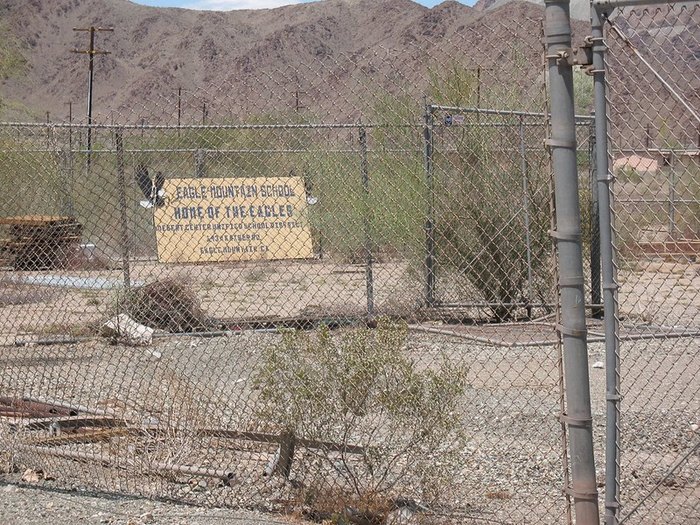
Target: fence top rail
(290,126)
(505,112)
(610,4)
(185,127)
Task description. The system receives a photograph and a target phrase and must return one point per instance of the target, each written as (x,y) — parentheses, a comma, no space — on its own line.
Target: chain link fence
(654,136)
(331,292)
(294,302)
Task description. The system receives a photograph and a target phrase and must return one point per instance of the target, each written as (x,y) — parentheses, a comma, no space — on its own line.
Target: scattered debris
(124,328)
(28,408)
(402,516)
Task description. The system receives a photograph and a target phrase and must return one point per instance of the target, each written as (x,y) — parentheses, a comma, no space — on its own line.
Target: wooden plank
(35,220)
(117,462)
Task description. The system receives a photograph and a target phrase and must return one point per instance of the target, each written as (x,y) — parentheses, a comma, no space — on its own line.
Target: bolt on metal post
(562,144)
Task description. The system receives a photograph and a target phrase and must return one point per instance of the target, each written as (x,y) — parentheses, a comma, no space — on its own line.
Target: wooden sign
(233,219)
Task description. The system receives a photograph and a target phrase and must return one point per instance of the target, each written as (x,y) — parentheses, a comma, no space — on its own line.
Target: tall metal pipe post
(612,354)
(562,143)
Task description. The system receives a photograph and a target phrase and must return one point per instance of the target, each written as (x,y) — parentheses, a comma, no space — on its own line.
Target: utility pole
(91,52)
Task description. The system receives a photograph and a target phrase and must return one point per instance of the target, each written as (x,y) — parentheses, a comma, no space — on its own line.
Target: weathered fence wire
(353,306)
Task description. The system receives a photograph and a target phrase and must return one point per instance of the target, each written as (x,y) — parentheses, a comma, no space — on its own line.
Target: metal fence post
(526,212)
(612,355)
(597,311)
(71,164)
(367,225)
(562,143)
(430,212)
(200,168)
(123,209)
(672,195)
(65,163)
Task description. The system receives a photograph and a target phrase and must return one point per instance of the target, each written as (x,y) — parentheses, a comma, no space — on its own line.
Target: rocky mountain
(328,54)
(580,9)
(328,60)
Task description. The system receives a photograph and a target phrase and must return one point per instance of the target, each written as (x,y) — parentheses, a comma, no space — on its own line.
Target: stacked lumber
(38,242)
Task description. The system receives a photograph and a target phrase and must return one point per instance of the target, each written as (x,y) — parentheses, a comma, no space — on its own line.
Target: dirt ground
(39,505)
(512,462)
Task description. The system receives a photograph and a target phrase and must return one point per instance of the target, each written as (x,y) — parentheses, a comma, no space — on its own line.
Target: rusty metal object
(80,435)
(67,424)
(156,467)
(27,408)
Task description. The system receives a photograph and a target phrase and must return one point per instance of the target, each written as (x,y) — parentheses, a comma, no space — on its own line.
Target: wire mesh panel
(653,92)
(343,309)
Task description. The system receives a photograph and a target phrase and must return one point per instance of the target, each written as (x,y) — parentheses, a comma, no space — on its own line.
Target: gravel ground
(511,464)
(512,460)
(20,505)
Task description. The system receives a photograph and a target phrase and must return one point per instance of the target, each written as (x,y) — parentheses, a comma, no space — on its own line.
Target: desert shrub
(480,223)
(167,305)
(481,228)
(359,387)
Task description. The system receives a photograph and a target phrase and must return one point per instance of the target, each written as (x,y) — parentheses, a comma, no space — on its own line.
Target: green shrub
(358,387)
(481,230)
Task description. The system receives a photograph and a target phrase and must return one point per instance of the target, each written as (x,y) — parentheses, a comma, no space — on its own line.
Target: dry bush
(359,387)
(167,305)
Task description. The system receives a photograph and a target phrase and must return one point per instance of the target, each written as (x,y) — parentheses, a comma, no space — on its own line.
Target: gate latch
(573,58)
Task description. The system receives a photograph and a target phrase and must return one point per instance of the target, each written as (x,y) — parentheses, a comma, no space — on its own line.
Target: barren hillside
(155,51)
(333,58)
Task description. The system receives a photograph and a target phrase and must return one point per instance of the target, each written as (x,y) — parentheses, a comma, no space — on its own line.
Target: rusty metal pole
(562,143)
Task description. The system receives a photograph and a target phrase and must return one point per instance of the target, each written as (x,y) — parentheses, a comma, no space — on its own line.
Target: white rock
(402,516)
(124,327)
(694,427)
(32,476)
(598,364)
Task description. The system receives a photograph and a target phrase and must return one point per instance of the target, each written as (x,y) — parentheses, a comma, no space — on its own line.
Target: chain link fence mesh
(653,95)
(331,292)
